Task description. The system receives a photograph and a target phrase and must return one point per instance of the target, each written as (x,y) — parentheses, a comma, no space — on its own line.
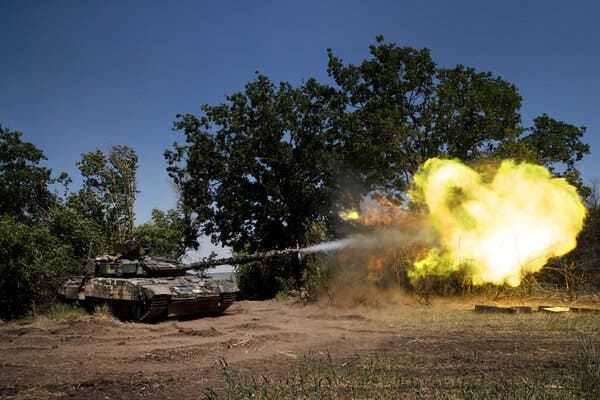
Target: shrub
(259,280)
(32,263)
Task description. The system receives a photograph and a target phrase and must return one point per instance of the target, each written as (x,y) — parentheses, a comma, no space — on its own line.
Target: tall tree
(387,121)
(83,234)
(32,258)
(256,168)
(32,263)
(554,144)
(402,109)
(109,190)
(474,112)
(24,183)
(164,234)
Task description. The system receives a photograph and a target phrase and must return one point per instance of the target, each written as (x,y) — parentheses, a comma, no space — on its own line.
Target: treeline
(272,167)
(45,236)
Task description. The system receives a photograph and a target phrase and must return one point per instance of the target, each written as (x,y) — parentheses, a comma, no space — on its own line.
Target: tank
(141,288)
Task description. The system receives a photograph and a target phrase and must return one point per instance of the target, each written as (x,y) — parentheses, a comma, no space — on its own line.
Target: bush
(259,280)
(254,282)
(32,264)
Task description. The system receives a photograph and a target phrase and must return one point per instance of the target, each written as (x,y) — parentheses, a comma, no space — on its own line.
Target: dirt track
(87,357)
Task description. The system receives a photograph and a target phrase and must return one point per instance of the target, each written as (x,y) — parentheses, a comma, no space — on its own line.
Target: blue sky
(81,75)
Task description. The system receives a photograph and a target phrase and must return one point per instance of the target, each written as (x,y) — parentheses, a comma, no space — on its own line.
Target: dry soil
(99,357)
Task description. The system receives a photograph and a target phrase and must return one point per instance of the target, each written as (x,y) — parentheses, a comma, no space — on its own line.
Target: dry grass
(393,374)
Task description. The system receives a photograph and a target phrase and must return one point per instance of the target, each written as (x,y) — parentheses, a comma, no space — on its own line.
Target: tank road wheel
(134,311)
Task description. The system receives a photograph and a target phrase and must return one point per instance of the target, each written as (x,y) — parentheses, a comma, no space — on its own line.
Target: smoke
(370,268)
(495,226)
(377,240)
(330,246)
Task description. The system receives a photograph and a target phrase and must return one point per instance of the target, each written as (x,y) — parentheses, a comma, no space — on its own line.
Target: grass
(54,312)
(589,369)
(281,296)
(399,375)
(60,311)
(64,312)
(376,378)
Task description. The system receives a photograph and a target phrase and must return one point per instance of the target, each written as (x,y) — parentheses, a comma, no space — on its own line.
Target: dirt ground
(103,358)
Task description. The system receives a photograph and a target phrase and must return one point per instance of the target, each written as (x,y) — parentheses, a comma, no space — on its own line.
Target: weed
(589,369)
(507,390)
(379,377)
(281,296)
(59,311)
(53,312)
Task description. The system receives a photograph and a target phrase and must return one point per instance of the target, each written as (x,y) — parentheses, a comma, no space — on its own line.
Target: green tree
(474,112)
(109,190)
(24,184)
(85,207)
(254,169)
(402,109)
(257,169)
(387,121)
(164,234)
(553,144)
(82,234)
(32,259)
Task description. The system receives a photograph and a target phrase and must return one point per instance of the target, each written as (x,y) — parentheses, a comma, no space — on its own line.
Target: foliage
(43,240)
(264,169)
(254,182)
(259,280)
(32,262)
(557,142)
(164,234)
(254,169)
(553,144)
(254,281)
(402,110)
(82,234)
(109,190)
(474,113)
(35,238)
(387,100)
(24,191)
(61,312)
(87,205)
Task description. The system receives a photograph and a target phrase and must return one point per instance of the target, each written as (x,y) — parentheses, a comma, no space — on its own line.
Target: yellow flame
(498,227)
(377,211)
(351,215)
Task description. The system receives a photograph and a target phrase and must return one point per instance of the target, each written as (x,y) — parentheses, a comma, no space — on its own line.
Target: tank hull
(153,299)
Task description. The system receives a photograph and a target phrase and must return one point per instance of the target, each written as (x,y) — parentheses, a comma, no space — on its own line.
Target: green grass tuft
(378,377)
(60,311)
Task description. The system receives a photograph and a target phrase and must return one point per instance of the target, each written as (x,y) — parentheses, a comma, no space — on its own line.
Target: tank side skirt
(157,309)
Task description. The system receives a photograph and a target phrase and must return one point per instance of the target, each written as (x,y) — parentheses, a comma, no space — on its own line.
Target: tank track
(227,299)
(157,310)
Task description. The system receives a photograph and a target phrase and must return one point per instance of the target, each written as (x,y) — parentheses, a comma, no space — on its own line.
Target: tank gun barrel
(242,259)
